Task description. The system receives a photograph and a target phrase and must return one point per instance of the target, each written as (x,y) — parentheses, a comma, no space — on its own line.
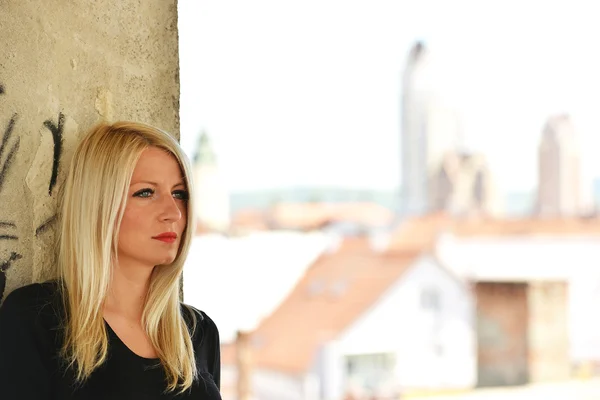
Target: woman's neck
(127,293)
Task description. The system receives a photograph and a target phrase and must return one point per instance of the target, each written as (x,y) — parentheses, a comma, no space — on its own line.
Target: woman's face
(155,214)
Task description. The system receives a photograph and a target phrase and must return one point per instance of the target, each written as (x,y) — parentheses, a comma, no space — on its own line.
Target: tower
(559,182)
(429,130)
(212,197)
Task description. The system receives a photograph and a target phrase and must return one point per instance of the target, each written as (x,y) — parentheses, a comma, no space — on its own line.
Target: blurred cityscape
(443,288)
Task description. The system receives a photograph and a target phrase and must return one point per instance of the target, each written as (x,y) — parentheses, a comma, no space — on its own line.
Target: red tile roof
(330,296)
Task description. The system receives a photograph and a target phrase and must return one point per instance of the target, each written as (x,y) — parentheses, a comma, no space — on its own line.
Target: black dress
(30,366)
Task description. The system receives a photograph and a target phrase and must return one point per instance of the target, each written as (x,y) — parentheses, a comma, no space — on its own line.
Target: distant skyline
(308,93)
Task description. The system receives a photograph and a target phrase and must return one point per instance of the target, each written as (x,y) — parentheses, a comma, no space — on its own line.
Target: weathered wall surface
(549,357)
(64,66)
(503,315)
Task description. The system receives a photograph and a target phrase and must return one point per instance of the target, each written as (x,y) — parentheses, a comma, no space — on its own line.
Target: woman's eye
(144,193)
(181,195)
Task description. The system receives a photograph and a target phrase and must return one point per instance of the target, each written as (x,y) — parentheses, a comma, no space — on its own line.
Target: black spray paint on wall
(4,266)
(9,147)
(6,162)
(57,132)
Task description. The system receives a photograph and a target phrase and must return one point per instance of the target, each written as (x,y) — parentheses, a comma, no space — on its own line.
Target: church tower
(212,197)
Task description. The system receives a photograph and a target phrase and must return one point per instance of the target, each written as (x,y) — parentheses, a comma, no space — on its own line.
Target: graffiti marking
(5,267)
(8,237)
(43,227)
(7,133)
(57,132)
(5,166)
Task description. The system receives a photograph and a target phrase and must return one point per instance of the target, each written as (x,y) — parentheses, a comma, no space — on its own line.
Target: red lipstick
(167,237)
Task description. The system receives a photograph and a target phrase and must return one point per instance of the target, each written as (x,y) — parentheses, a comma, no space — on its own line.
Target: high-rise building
(559,184)
(429,130)
(211,197)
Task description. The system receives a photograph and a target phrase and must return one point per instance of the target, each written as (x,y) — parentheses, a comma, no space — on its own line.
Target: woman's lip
(167,235)
(166,239)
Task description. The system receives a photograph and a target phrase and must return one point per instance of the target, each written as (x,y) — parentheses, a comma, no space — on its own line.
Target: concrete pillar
(64,67)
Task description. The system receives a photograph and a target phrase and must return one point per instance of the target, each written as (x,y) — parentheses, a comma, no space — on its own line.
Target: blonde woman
(112,325)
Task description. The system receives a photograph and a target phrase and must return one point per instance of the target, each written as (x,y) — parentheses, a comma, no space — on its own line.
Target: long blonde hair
(93,201)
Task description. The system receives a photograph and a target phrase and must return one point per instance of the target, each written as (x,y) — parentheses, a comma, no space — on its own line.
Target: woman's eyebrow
(156,184)
(149,182)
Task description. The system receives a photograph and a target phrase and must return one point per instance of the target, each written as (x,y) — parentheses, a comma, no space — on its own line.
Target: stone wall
(65,66)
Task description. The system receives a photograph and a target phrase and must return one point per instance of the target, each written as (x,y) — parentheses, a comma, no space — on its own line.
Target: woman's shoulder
(32,295)
(202,323)
(33,300)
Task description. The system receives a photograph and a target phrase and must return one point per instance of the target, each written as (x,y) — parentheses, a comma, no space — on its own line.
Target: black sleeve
(23,348)
(208,345)
(215,363)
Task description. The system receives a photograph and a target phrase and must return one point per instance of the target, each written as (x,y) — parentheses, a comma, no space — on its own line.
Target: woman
(112,325)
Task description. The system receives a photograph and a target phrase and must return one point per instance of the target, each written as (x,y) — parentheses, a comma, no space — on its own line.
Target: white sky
(307,92)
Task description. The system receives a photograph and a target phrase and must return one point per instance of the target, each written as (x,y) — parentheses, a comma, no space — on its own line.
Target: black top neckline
(121,343)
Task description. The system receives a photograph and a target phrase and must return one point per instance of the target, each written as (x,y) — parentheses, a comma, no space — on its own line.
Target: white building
(418,335)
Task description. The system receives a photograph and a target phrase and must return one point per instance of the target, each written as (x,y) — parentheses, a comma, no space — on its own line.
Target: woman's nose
(170,211)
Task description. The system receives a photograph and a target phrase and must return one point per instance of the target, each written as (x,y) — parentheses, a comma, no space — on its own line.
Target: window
(370,371)
(430,299)
(431,304)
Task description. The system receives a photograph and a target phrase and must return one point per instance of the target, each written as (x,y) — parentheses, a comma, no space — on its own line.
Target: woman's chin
(166,261)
